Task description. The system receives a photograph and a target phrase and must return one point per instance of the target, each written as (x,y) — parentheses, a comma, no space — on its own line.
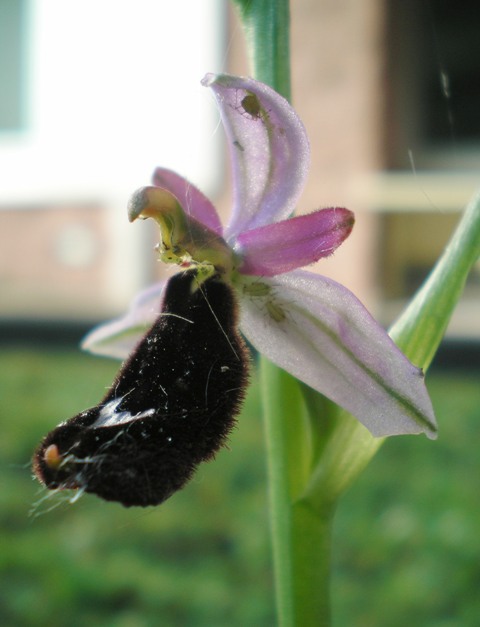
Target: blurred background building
(95,95)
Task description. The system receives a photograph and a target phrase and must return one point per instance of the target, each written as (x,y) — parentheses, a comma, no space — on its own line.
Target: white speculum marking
(109,416)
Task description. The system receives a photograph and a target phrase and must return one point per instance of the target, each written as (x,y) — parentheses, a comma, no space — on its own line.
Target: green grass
(407,541)
(407,547)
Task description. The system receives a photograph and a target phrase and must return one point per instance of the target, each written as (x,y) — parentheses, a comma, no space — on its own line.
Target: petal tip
(431,433)
(136,204)
(208,79)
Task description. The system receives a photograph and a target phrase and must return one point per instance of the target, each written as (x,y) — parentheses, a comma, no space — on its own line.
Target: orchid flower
(309,325)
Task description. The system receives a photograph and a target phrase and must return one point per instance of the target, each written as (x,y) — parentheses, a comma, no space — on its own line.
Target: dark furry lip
(171,406)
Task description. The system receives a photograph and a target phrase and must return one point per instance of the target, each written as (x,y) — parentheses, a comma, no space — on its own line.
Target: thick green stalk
(300,535)
(267,31)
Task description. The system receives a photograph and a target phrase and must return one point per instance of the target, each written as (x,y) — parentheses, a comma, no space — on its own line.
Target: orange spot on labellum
(52,456)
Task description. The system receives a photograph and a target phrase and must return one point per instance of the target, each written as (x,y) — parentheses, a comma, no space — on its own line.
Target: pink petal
(294,243)
(269,151)
(193,202)
(119,337)
(318,331)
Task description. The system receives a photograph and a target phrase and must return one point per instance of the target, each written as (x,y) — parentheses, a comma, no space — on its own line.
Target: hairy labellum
(171,406)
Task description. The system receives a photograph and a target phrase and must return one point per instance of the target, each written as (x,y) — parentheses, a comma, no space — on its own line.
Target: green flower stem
(301,533)
(267,31)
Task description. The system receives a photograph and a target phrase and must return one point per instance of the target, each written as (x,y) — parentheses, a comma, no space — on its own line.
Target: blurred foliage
(202,558)
(407,548)
(406,536)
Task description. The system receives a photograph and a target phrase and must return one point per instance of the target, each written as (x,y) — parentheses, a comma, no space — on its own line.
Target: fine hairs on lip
(171,406)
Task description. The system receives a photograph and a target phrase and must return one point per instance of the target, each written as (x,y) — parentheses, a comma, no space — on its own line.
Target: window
(96,94)
(12,65)
(432,146)
(433,68)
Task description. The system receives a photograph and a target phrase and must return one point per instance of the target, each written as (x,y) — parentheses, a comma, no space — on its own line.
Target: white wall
(114,90)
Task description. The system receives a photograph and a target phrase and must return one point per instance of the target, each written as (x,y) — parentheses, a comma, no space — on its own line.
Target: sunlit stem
(267,30)
(300,536)
(301,528)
